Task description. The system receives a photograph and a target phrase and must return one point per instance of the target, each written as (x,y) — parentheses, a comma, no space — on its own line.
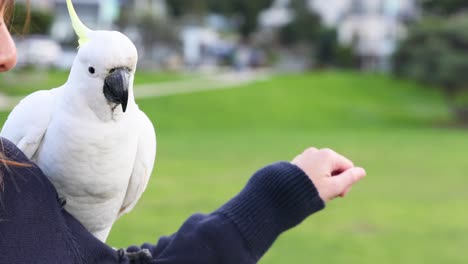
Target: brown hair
(6,162)
(7,7)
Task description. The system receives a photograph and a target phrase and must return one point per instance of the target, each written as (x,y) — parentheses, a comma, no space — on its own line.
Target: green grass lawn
(410,209)
(24,82)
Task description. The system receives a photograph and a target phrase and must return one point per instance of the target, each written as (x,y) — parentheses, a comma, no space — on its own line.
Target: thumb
(347,179)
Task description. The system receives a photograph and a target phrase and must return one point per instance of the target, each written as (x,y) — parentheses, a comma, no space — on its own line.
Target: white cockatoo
(89,136)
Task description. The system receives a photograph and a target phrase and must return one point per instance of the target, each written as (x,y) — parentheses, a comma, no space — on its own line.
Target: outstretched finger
(348,178)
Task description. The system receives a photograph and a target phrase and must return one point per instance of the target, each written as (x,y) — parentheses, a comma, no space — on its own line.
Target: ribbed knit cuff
(277,198)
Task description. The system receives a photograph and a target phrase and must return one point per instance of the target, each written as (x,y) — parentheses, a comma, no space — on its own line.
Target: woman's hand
(332,174)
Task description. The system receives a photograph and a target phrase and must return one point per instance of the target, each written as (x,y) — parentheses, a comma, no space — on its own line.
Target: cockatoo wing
(27,123)
(143,166)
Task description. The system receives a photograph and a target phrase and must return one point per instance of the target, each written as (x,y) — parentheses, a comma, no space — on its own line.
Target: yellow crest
(80,29)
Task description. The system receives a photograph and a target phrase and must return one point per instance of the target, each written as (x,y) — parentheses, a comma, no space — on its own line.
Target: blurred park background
(233,85)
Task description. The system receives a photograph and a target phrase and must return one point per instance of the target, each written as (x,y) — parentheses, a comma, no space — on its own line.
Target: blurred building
(210,43)
(372,27)
(94,13)
(279,14)
(157,8)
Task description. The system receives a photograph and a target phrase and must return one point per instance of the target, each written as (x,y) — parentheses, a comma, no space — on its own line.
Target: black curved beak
(116,87)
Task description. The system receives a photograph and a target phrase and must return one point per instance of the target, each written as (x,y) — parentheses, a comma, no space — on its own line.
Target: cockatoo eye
(91,70)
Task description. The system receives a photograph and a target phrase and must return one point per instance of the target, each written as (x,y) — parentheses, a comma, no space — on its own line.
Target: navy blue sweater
(34,228)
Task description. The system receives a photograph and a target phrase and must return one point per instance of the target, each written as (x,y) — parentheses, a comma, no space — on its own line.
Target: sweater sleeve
(276,198)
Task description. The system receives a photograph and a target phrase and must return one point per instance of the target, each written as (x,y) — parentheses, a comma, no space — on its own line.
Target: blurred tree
(326,47)
(157,36)
(126,17)
(179,8)
(42,20)
(329,52)
(305,27)
(246,11)
(444,7)
(154,30)
(435,53)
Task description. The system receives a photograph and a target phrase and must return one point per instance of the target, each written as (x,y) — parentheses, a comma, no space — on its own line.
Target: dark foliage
(444,7)
(245,11)
(436,53)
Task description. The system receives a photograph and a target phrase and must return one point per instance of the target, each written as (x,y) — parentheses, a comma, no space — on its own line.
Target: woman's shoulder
(32,216)
(22,182)
(18,174)
(12,153)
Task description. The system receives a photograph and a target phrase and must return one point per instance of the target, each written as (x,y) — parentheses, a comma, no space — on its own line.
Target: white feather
(143,166)
(29,120)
